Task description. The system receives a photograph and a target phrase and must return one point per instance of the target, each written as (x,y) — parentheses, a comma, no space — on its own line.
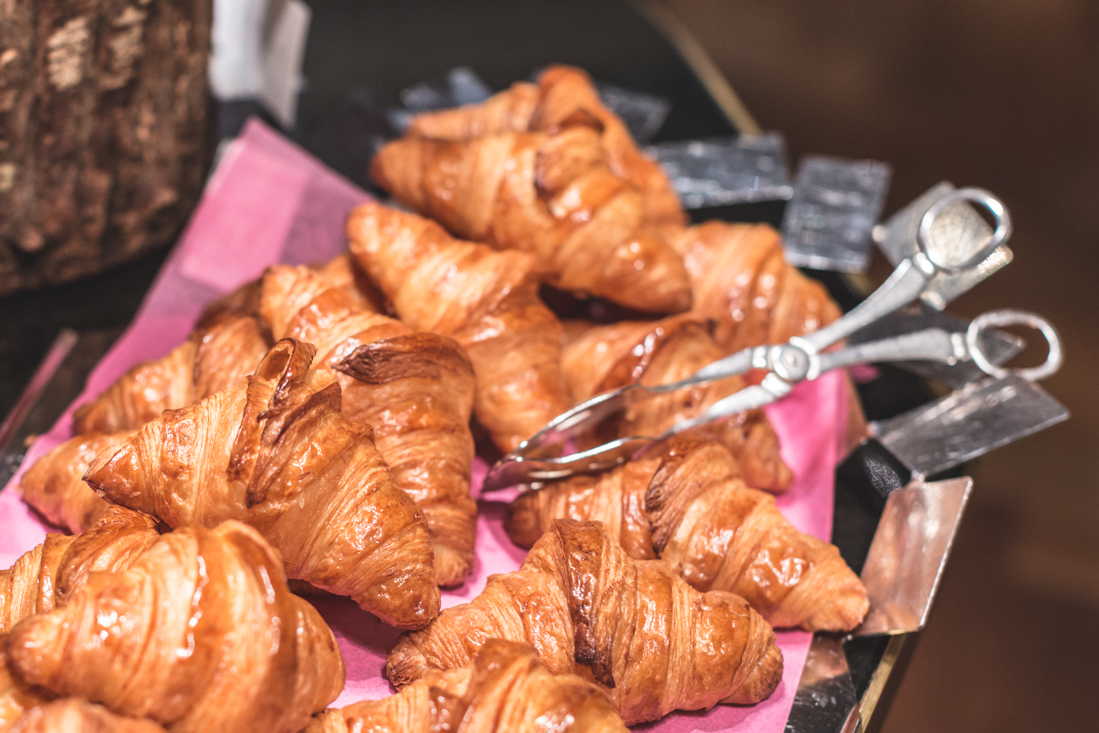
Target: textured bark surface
(103,136)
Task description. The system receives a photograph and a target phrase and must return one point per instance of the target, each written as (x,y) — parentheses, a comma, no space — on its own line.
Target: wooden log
(103,131)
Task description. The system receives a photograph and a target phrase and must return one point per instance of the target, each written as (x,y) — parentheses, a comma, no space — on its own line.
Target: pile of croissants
(314,436)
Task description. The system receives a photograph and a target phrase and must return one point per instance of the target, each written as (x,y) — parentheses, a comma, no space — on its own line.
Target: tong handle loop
(974,196)
(1011,317)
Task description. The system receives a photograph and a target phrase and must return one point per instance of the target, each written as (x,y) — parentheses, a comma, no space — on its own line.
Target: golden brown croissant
(211,360)
(55,485)
(72,715)
(200,633)
(634,627)
(687,505)
(601,358)
(740,278)
(552,195)
(415,390)
(276,452)
(47,576)
(505,688)
(481,298)
(563,93)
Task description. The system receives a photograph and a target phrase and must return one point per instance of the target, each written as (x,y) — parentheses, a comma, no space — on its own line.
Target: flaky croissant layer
(687,504)
(164,639)
(48,575)
(635,627)
(506,688)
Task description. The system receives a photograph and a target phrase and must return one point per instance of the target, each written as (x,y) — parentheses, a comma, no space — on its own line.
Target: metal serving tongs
(801,358)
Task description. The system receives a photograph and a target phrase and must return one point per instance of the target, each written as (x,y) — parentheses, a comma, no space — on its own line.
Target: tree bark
(103,133)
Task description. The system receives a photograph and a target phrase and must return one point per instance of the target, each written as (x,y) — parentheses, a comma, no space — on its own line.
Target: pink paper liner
(269,201)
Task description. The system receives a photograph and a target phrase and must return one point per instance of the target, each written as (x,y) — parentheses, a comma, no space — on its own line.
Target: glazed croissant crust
(552,195)
(740,278)
(164,639)
(276,452)
(597,359)
(686,504)
(634,627)
(562,93)
(48,575)
(414,390)
(481,298)
(505,688)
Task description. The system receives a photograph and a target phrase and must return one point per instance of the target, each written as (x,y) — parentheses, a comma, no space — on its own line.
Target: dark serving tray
(359,56)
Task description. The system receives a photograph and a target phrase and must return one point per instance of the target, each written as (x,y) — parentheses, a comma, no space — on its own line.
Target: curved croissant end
(506,688)
(46,576)
(277,453)
(562,94)
(16,696)
(550,195)
(685,502)
(634,626)
(481,298)
(55,485)
(740,278)
(601,358)
(163,639)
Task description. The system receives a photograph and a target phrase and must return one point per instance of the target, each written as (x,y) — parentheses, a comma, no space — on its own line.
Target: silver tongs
(804,357)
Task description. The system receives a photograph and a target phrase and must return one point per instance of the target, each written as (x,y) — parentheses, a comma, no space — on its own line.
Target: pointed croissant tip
(32,647)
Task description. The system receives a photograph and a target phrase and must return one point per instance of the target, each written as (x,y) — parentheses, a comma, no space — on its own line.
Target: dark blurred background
(1000,94)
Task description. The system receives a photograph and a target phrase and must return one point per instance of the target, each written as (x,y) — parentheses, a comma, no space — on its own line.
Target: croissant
(552,195)
(76,716)
(55,485)
(164,639)
(601,358)
(211,360)
(740,278)
(650,640)
(481,298)
(47,576)
(562,93)
(688,505)
(415,390)
(505,688)
(276,452)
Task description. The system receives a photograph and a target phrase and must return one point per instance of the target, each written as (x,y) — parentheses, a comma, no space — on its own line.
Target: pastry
(164,639)
(276,452)
(49,574)
(414,390)
(597,359)
(505,688)
(562,93)
(549,194)
(481,298)
(741,279)
(635,627)
(686,503)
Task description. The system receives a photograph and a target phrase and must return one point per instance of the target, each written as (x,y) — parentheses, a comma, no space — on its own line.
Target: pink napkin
(269,202)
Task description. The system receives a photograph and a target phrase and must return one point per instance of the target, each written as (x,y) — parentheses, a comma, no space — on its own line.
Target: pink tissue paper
(267,202)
